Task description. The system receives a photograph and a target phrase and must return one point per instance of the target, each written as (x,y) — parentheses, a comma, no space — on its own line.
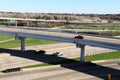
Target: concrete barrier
(12,70)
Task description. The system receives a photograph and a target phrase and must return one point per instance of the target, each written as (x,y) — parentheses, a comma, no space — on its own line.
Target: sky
(62,6)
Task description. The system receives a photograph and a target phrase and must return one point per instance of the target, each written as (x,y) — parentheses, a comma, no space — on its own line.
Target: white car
(57,54)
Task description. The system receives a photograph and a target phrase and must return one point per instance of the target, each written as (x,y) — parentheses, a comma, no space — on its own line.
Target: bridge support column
(22,42)
(82,54)
(28,23)
(82,59)
(16,23)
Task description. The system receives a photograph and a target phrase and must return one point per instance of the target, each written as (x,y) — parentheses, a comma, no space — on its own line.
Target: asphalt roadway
(76,71)
(10,58)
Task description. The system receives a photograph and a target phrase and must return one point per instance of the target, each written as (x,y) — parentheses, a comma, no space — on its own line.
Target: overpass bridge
(21,34)
(50,21)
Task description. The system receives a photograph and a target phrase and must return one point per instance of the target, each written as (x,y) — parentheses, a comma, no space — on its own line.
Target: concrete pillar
(82,54)
(16,23)
(22,44)
(8,22)
(28,23)
(4,21)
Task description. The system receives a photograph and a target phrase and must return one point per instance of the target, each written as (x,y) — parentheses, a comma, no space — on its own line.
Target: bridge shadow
(87,67)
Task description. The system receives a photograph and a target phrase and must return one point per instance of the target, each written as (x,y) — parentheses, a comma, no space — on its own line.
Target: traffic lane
(113,77)
(62,73)
(31,71)
(69,52)
(98,72)
(72,52)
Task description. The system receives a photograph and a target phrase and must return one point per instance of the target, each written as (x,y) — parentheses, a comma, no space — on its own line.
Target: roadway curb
(111,60)
(44,67)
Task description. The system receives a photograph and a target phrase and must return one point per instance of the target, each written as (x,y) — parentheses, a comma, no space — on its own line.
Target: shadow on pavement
(87,67)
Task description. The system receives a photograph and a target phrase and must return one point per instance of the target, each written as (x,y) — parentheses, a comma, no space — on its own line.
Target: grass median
(104,56)
(28,42)
(4,37)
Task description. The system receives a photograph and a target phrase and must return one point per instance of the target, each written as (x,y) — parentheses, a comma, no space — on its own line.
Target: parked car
(58,54)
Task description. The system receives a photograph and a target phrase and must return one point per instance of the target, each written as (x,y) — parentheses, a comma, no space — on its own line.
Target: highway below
(92,71)
(9,58)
